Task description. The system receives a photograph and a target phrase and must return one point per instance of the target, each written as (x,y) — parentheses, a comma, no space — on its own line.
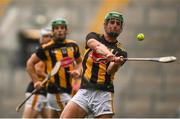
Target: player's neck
(110,38)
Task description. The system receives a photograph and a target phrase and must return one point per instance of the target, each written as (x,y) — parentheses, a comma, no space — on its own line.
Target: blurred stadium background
(143,89)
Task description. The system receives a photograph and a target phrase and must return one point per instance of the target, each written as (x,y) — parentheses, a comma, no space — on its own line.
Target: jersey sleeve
(77,53)
(40,53)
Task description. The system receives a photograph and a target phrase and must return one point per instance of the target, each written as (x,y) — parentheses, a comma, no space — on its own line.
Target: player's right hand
(75,74)
(38,85)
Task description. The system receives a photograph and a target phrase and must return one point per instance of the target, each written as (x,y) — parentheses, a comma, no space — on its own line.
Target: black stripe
(84,62)
(67,75)
(53,58)
(94,71)
(75,48)
(68,78)
(107,76)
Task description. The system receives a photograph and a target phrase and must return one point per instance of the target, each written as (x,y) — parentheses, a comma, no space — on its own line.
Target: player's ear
(105,25)
(121,27)
(67,31)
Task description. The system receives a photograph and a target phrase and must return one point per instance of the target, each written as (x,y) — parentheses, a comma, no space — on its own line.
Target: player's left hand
(119,60)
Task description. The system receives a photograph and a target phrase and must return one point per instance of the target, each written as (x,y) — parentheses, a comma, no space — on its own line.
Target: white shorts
(37,102)
(58,101)
(94,101)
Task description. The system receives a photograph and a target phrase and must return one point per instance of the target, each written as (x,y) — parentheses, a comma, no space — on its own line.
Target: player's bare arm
(99,47)
(39,67)
(30,68)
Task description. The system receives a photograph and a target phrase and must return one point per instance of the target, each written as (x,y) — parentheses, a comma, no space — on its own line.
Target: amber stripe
(58,100)
(35,98)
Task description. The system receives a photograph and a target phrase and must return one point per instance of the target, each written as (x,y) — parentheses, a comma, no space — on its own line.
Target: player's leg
(31,109)
(57,102)
(53,113)
(29,113)
(44,109)
(78,105)
(44,113)
(54,105)
(73,110)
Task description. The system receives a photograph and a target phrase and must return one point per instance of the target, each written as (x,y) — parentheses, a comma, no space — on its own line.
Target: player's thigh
(58,101)
(53,113)
(44,113)
(73,110)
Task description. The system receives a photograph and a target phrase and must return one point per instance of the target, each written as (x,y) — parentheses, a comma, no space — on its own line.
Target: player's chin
(61,36)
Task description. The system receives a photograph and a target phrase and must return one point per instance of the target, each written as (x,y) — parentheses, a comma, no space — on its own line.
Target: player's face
(60,32)
(46,38)
(113,27)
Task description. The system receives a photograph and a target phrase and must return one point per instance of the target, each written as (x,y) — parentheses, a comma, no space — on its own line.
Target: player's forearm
(115,65)
(78,66)
(98,47)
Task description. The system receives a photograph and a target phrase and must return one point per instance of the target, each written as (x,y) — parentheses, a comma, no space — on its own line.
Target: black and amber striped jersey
(30,88)
(66,52)
(95,74)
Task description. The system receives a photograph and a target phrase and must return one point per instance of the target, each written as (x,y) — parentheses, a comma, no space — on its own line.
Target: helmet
(43,33)
(115,15)
(59,21)
(46,31)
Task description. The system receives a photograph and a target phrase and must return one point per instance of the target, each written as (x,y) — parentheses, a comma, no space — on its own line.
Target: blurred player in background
(96,92)
(59,49)
(36,105)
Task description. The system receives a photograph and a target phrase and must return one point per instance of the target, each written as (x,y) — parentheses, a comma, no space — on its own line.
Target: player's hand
(75,74)
(38,85)
(111,57)
(119,60)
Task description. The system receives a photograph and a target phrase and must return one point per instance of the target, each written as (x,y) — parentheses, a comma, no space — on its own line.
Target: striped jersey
(95,74)
(66,52)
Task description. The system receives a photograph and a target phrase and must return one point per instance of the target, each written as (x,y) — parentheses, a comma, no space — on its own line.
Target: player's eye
(114,21)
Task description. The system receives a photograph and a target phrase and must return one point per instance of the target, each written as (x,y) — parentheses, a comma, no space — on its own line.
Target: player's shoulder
(70,41)
(120,46)
(48,44)
(95,33)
